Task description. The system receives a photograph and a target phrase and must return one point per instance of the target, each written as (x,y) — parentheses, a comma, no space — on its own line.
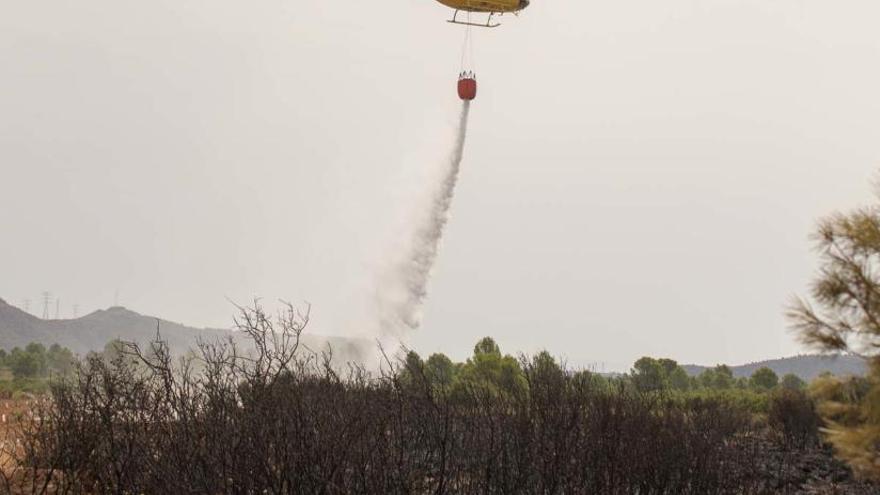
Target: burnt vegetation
(282,420)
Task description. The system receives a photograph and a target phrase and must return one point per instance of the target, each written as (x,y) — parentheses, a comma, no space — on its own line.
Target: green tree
(414,361)
(648,375)
(440,369)
(413,371)
(589,379)
(676,376)
(723,376)
(35,348)
(790,381)
(487,346)
(764,379)
(706,378)
(719,378)
(25,364)
(545,377)
(38,351)
(59,359)
(489,369)
(679,379)
(544,366)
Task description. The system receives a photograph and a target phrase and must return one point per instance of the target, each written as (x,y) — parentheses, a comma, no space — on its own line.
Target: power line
(57,307)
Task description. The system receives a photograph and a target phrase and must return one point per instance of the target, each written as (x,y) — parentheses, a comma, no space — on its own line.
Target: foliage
(719,378)
(489,371)
(792,382)
(764,379)
(847,293)
(28,363)
(736,398)
(35,361)
(441,370)
(649,375)
(59,359)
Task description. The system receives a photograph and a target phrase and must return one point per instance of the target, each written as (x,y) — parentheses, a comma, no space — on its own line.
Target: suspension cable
(467,48)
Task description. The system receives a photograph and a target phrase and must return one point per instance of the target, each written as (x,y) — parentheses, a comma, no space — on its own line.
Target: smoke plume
(403,288)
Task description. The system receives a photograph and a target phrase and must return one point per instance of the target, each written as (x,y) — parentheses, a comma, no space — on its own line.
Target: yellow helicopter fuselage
(491,6)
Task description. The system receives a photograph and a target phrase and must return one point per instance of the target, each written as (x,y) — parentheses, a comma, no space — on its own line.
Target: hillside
(806,367)
(92,331)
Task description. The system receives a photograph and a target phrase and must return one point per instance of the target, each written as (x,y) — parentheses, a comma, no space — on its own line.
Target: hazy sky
(640,177)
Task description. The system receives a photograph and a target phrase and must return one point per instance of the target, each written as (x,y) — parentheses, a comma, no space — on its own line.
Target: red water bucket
(467,88)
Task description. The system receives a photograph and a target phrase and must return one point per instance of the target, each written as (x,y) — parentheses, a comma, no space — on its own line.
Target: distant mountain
(92,331)
(806,367)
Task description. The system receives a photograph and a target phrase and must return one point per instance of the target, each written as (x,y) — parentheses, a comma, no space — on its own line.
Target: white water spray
(403,288)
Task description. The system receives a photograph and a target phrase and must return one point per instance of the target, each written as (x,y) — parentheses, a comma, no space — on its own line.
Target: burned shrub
(792,415)
(282,421)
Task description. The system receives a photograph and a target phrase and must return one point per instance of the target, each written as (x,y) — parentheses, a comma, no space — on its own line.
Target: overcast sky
(640,176)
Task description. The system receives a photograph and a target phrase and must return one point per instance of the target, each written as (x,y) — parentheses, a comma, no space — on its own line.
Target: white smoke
(402,286)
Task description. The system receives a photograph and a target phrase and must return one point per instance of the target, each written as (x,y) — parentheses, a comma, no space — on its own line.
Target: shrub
(793,416)
(283,421)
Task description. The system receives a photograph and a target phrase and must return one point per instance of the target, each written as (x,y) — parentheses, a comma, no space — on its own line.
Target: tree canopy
(764,379)
(35,361)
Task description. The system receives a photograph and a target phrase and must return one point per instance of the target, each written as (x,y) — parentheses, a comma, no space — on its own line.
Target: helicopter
(491,7)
